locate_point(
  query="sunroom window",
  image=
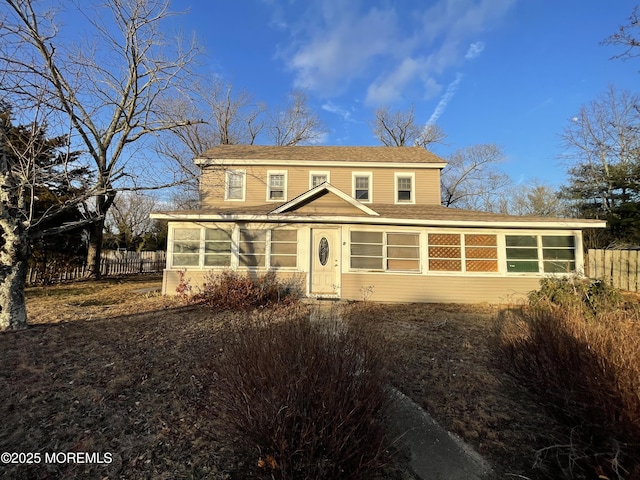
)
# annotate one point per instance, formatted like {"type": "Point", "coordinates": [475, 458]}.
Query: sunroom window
{"type": "Point", "coordinates": [385, 251]}
{"type": "Point", "coordinates": [540, 253]}
{"type": "Point", "coordinates": [481, 253]}
{"type": "Point", "coordinates": [558, 254]}
{"type": "Point", "coordinates": [367, 250]}
{"type": "Point", "coordinates": [252, 248]}
{"type": "Point", "coordinates": [217, 247]}
{"type": "Point", "coordinates": [284, 248]}
{"type": "Point", "coordinates": [403, 251]}
{"type": "Point", "coordinates": [186, 247]}
{"type": "Point", "coordinates": [445, 252]}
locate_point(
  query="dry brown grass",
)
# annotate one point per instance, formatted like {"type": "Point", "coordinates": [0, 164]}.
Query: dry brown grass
{"type": "Point", "coordinates": [106, 369]}
{"type": "Point", "coordinates": [588, 367]}
{"type": "Point", "coordinates": [445, 360]}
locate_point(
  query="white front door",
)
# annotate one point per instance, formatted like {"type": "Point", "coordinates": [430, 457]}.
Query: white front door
{"type": "Point", "coordinates": [324, 277]}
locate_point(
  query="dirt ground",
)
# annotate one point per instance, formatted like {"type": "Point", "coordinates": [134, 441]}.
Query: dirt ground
{"type": "Point", "coordinates": [114, 368]}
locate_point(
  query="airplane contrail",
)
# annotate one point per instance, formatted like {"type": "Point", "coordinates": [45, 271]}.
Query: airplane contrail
{"type": "Point", "coordinates": [444, 101]}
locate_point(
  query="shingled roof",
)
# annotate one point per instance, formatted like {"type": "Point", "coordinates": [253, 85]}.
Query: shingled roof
{"type": "Point", "coordinates": [320, 154]}
{"type": "Point", "coordinates": [424, 215]}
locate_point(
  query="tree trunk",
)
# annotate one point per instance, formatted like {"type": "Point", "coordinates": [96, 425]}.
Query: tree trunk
{"type": "Point", "coordinates": [14, 254]}
{"type": "Point", "coordinates": [13, 310]}
{"type": "Point", "coordinates": [94, 254]}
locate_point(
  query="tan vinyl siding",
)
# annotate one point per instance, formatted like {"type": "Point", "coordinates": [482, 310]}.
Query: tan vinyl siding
{"type": "Point", "coordinates": [388, 287]}
{"type": "Point", "coordinates": [427, 184]}
{"type": "Point", "coordinates": [196, 278]}
{"type": "Point", "coordinates": [329, 204]}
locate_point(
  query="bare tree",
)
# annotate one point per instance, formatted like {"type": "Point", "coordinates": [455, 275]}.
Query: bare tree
{"type": "Point", "coordinates": [32, 167]}
{"type": "Point", "coordinates": [533, 199]}
{"type": "Point", "coordinates": [602, 152]}
{"type": "Point", "coordinates": [107, 86]}
{"type": "Point", "coordinates": [399, 129]}
{"type": "Point", "coordinates": [128, 220]}
{"type": "Point", "coordinates": [226, 118]}
{"type": "Point", "coordinates": [472, 180]}
{"type": "Point", "coordinates": [627, 36]}
{"type": "Point", "coordinates": [295, 123]}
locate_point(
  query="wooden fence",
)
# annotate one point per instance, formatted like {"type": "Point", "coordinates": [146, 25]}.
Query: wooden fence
{"type": "Point", "coordinates": [618, 268]}
{"type": "Point", "coordinates": [113, 262]}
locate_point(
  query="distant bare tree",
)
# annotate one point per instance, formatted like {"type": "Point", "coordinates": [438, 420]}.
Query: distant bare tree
{"type": "Point", "coordinates": [294, 123]}
{"type": "Point", "coordinates": [106, 86]}
{"type": "Point", "coordinates": [471, 179]}
{"type": "Point", "coordinates": [533, 199]}
{"type": "Point", "coordinates": [128, 220]}
{"type": "Point", "coordinates": [602, 151]}
{"type": "Point", "coordinates": [399, 129]}
{"type": "Point", "coordinates": [227, 117]}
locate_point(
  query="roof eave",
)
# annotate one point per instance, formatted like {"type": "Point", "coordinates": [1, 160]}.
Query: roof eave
{"type": "Point", "coordinates": [206, 162]}
{"type": "Point", "coordinates": [276, 218]}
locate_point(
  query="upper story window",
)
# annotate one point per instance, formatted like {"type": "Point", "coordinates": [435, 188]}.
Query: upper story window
{"type": "Point", "coordinates": [362, 186]}
{"type": "Point", "coordinates": [276, 186]}
{"type": "Point", "coordinates": [405, 188]}
{"type": "Point", "coordinates": [234, 185]}
{"type": "Point", "coordinates": [317, 178]}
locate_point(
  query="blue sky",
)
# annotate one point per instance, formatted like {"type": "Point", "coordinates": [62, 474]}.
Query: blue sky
{"type": "Point", "coordinates": [510, 72]}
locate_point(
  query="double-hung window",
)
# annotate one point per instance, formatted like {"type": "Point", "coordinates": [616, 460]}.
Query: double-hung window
{"type": "Point", "coordinates": [405, 188]}
{"type": "Point", "coordinates": [362, 187]}
{"type": "Point", "coordinates": [277, 186]}
{"type": "Point", "coordinates": [234, 185]}
{"type": "Point", "coordinates": [317, 178]}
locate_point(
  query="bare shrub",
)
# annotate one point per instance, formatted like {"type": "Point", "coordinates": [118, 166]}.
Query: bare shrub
{"type": "Point", "coordinates": [229, 290]}
{"type": "Point", "coordinates": [306, 399]}
{"type": "Point", "coordinates": [583, 355]}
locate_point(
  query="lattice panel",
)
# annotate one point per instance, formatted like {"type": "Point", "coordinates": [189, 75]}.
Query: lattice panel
{"type": "Point", "coordinates": [481, 240]}
{"type": "Point", "coordinates": [481, 265]}
{"type": "Point", "coordinates": [445, 265]}
{"type": "Point", "coordinates": [444, 252]}
{"type": "Point", "coordinates": [481, 252]}
{"type": "Point", "coordinates": [444, 239]}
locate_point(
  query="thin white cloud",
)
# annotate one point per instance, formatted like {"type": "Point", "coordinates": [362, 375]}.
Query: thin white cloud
{"type": "Point", "coordinates": [388, 89]}
{"type": "Point", "coordinates": [475, 49]}
{"type": "Point", "coordinates": [342, 50]}
{"type": "Point", "coordinates": [335, 44]}
{"type": "Point", "coordinates": [338, 110]}
{"type": "Point", "coordinates": [444, 101]}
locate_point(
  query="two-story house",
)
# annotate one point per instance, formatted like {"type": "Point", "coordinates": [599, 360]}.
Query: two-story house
{"type": "Point", "coordinates": [354, 221]}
